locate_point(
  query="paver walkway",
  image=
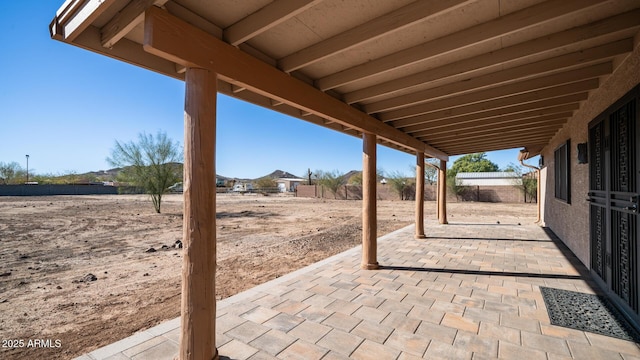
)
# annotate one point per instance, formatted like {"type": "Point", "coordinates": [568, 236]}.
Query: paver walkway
{"type": "Point", "coordinates": [467, 291]}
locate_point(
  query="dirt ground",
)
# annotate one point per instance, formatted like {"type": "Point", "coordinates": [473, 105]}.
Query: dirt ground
{"type": "Point", "coordinates": [78, 273]}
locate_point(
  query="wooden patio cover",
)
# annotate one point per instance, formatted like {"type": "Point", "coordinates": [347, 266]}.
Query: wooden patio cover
{"type": "Point", "coordinates": [434, 78]}
{"type": "Point", "coordinates": [448, 77]}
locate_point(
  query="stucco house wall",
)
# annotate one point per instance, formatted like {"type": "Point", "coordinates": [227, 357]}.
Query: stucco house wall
{"type": "Point", "coordinates": [571, 221]}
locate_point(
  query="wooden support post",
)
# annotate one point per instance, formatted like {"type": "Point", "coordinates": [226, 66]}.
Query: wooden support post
{"type": "Point", "coordinates": [442, 193]}
{"type": "Point", "coordinates": [420, 195]}
{"type": "Point", "coordinates": [197, 339]}
{"type": "Point", "coordinates": [369, 207]}
{"type": "Point", "coordinates": [438, 194]}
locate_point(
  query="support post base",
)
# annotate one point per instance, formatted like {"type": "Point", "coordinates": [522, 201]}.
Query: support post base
{"type": "Point", "coordinates": [215, 357]}
{"type": "Point", "coordinates": [370, 266]}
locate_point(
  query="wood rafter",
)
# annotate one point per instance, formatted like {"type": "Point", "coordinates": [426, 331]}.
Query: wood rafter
{"type": "Point", "coordinates": [493, 143]}
{"type": "Point", "coordinates": [125, 20]}
{"type": "Point", "coordinates": [76, 17]}
{"type": "Point", "coordinates": [466, 121]}
{"type": "Point", "coordinates": [536, 89]}
{"type": "Point", "coordinates": [127, 51]}
{"type": "Point", "coordinates": [509, 71]}
{"type": "Point", "coordinates": [369, 31]}
{"type": "Point", "coordinates": [628, 20]}
{"type": "Point", "coordinates": [507, 137]}
{"type": "Point", "coordinates": [499, 145]}
{"type": "Point", "coordinates": [264, 19]}
{"type": "Point", "coordinates": [480, 111]}
{"type": "Point", "coordinates": [494, 79]}
{"type": "Point", "coordinates": [173, 39]}
{"type": "Point", "coordinates": [521, 140]}
{"type": "Point", "coordinates": [554, 122]}
{"type": "Point", "coordinates": [530, 118]}
{"type": "Point", "coordinates": [476, 34]}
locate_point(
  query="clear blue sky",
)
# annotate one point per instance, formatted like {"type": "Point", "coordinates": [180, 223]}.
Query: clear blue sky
{"type": "Point", "coordinates": [65, 107]}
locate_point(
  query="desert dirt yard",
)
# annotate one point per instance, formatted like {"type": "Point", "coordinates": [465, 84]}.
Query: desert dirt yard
{"type": "Point", "coordinates": [78, 272]}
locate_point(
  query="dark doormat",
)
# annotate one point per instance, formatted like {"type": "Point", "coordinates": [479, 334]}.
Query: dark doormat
{"type": "Point", "coordinates": [587, 312]}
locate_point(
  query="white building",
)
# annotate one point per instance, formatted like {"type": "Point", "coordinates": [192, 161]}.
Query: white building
{"type": "Point", "coordinates": [288, 184]}
{"type": "Point", "coordinates": [497, 178]}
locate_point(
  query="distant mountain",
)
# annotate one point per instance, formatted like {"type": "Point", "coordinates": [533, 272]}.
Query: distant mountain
{"type": "Point", "coordinates": [279, 174]}
{"type": "Point", "coordinates": [103, 175]}
{"type": "Point", "coordinates": [112, 174]}
{"type": "Point", "coordinates": [351, 174]}
{"type": "Point", "coordinates": [108, 175]}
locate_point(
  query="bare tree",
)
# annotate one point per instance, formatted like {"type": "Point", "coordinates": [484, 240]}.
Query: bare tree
{"type": "Point", "coordinates": [430, 172]}
{"type": "Point", "coordinates": [11, 172]}
{"type": "Point", "coordinates": [150, 163]}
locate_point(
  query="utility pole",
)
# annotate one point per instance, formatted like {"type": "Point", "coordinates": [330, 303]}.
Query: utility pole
{"type": "Point", "coordinates": [27, 167]}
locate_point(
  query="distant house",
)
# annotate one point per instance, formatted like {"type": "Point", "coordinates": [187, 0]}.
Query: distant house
{"type": "Point", "coordinates": [497, 178]}
{"type": "Point", "coordinates": [242, 187]}
{"type": "Point", "coordinates": [288, 184]}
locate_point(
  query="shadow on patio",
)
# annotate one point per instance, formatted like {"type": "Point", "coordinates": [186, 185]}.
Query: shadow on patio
{"type": "Point", "coordinates": [465, 292]}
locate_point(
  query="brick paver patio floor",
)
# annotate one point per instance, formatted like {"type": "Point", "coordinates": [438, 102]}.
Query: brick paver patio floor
{"type": "Point", "coordinates": [467, 291]}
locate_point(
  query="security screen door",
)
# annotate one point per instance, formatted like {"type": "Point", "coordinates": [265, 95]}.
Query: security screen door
{"type": "Point", "coordinates": [614, 189]}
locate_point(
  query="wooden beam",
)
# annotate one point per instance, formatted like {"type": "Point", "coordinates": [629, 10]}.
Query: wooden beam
{"type": "Point", "coordinates": [127, 51]}
{"type": "Point", "coordinates": [505, 136]}
{"type": "Point", "coordinates": [170, 38]}
{"type": "Point", "coordinates": [499, 146]}
{"type": "Point", "coordinates": [266, 102]}
{"type": "Point", "coordinates": [198, 320]}
{"type": "Point", "coordinates": [503, 132]}
{"type": "Point", "coordinates": [502, 144]}
{"type": "Point", "coordinates": [521, 137]}
{"type": "Point", "coordinates": [479, 111]}
{"type": "Point", "coordinates": [515, 141]}
{"type": "Point", "coordinates": [496, 98]}
{"type": "Point", "coordinates": [497, 128]}
{"type": "Point", "coordinates": [509, 90]}
{"type": "Point", "coordinates": [500, 134]}
{"type": "Point", "coordinates": [495, 144]}
{"type": "Point", "coordinates": [237, 89]}
{"type": "Point", "coordinates": [442, 193]}
{"type": "Point", "coordinates": [369, 31]}
{"type": "Point", "coordinates": [625, 21]}
{"type": "Point", "coordinates": [508, 75]}
{"type": "Point", "coordinates": [438, 127]}
{"type": "Point", "coordinates": [499, 27]}
{"type": "Point", "coordinates": [498, 122]}
{"type": "Point", "coordinates": [369, 206]}
{"type": "Point", "coordinates": [125, 20]}
{"type": "Point", "coordinates": [264, 19]}
{"type": "Point", "coordinates": [419, 196]}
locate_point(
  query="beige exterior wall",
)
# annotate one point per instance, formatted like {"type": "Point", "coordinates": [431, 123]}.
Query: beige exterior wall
{"type": "Point", "coordinates": [571, 221]}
